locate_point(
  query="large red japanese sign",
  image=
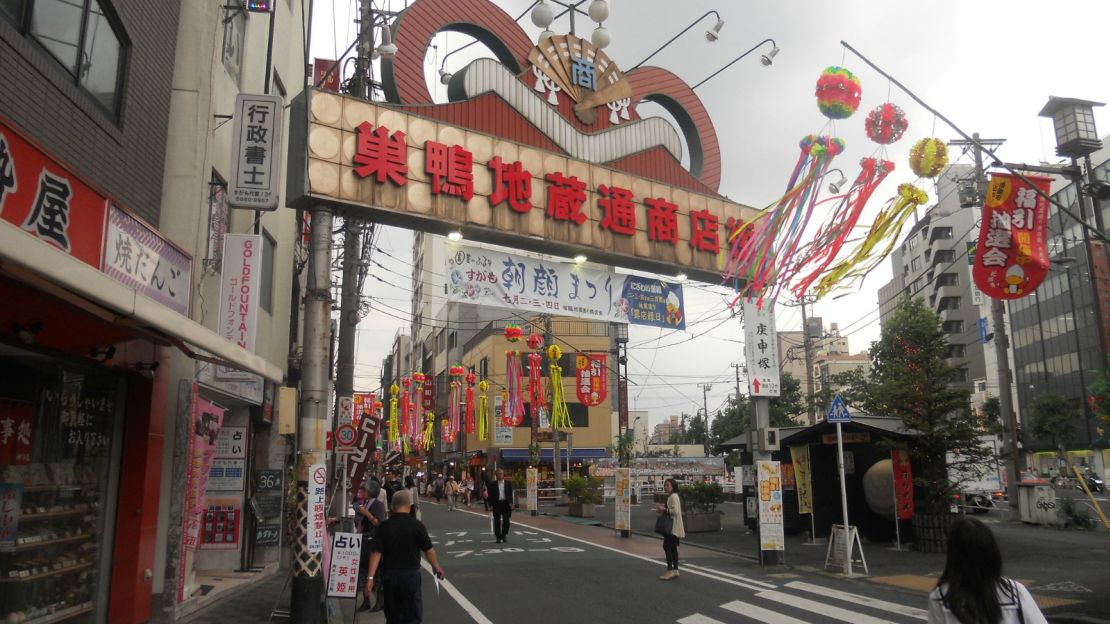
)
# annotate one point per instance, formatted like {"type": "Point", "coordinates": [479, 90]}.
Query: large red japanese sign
{"type": "Point", "coordinates": [48, 201]}
{"type": "Point", "coordinates": [365, 406]}
{"type": "Point", "coordinates": [426, 175]}
{"type": "Point", "coordinates": [903, 483]}
{"type": "Point", "coordinates": [592, 378]}
{"type": "Point", "coordinates": [1012, 257]}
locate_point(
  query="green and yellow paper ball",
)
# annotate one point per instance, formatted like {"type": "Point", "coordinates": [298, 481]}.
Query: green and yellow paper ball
{"type": "Point", "coordinates": [929, 157]}
{"type": "Point", "coordinates": [838, 93]}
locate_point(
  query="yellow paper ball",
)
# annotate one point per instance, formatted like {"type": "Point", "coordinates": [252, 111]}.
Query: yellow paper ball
{"type": "Point", "coordinates": [554, 352]}
{"type": "Point", "coordinates": [929, 157]}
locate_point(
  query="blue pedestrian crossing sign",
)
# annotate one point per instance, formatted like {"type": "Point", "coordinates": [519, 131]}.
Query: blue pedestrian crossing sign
{"type": "Point", "coordinates": [838, 412]}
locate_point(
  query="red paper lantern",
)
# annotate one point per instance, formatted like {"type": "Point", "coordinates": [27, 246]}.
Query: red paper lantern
{"type": "Point", "coordinates": [535, 341]}
{"type": "Point", "coordinates": [513, 333]}
{"type": "Point", "coordinates": [886, 124]}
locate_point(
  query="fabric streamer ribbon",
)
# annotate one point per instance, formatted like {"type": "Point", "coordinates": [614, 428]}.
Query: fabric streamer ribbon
{"type": "Point", "coordinates": [535, 381]}
{"type": "Point", "coordinates": [469, 416]}
{"type": "Point", "coordinates": [429, 436]}
{"type": "Point", "coordinates": [483, 410]}
{"type": "Point", "coordinates": [406, 407]}
{"type": "Point", "coordinates": [560, 416]}
{"type": "Point", "coordinates": [394, 431]}
{"type": "Point", "coordinates": [886, 227]}
{"type": "Point", "coordinates": [831, 237]}
{"type": "Point", "coordinates": [514, 406]}
{"type": "Point", "coordinates": [762, 249]}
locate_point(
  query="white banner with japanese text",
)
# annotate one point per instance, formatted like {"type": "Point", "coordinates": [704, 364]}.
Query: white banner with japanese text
{"type": "Point", "coordinates": [761, 350]}
{"type": "Point", "coordinates": [506, 280]}
{"type": "Point", "coordinates": [346, 550]}
{"type": "Point", "coordinates": [239, 296]}
{"type": "Point", "coordinates": [771, 535]}
{"type": "Point", "coordinates": [138, 256]}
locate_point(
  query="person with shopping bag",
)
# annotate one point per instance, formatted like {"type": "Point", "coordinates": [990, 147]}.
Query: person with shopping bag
{"type": "Point", "coordinates": [669, 524]}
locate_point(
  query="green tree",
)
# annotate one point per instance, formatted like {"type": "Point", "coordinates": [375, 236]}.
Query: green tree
{"type": "Point", "coordinates": [734, 420]}
{"type": "Point", "coordinates": [1099, 398]}
{"type": "Point", "coordinates": [992, 415]}
{"type": "Point", "coordinates": [852, 385]}
{"type": "Point", "coordinates": [909, 379]}
{"type": "Point", "coordinates": [790, 402]}
{"type": "Point", "coordinates": [1052, 418]}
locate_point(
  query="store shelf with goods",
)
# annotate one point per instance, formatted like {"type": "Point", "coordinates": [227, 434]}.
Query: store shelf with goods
{"type": "Point", "coordinates": [80, 537]}
{"type": "Point", "coordinates": [63, 615]}
{"type": "Point", "coordinates": [42, 575]}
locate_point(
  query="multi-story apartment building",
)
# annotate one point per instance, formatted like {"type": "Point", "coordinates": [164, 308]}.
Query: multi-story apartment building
{"type": "Point", "coordinates": [932, 264]}
{"type": "Point", "coordinates": [830, 355]}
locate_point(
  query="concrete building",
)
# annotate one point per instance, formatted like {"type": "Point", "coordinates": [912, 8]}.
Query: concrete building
{"type": "Point", "coordinates": [830, 354]}
{"type": "Point", "coordinates": [223, 52]}
{"type": "Point", "coordinates": [661, 433]}
{"type": "Point", "coordinates": [932, 264]}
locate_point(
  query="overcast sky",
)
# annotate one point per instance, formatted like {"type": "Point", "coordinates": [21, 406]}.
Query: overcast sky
{"type": "Point", "coordinates": [988, 67]}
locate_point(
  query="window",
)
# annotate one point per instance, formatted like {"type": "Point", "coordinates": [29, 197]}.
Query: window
{"type": "Point", "coordinates": [944, 255]}
{"type": "Point", "coordinates": [959, 375]}
{"type": "Point", "coordinates": [235, 32]}
{"type": "Point", "coordinates": [83, 35]}
{"type": "Point", "coordinates": [942, 233]}
{"type": "Point", "coordinates": [957, 351]}
{"type": "Point", "coordinates": [266, 288]}
{"type": "Point", "coordinates": [483, 368]}
{"type": "Point", "coordinates": [915, 265]}
{"type": "Point", "coordinates": [953, 327]}
{"type": "Point", "coordinates": [949, 303]}
{"type": "Point", "coordinates": [948, 279]}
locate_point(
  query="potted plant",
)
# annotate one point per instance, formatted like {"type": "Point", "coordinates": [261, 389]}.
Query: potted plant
{"type": "Point", "coordinates": [584, 494]}
{"type": "Point", "coordinates": [520, 487]}
{"type": "Point", "coordinates": [699, 506]}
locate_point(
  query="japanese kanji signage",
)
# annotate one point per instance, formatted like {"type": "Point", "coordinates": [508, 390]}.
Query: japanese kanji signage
{"type": "Point", "coordinates": [1012, 255]}
{"type": "Point", "coordinates": [771, 535]}
{"type": "Point", "coordinates": [500, 279]}
{"type": "Point", "coordinates": [136, 255]}
{"type": "Point", "coordinates": [592, 378]}
{"type": "Point", "coordinates": [47, 201]}
{"type": "Point", "coordinates": [17, 421]}
{"type": "Point", "coordinates": [238, 304]}
{"type": "Point", "coordinates": [761, 350]}
{"type": "Point", "coordinates": [222, 520]}
{"type": "Point", "coordinates": [256, 152]}
{"type": "Point", "coordinates": [803, 478]}
{"type": "Point", "coordinates": [317, 485]}
{"type": "Point", "coordinates": [346, 550]}
{"type": "Point", "coordinates": [359, 459]}
{"type": "Point", "coordinates": [364, 406]}
{"type": "Point", "coordinates": [418, 173]}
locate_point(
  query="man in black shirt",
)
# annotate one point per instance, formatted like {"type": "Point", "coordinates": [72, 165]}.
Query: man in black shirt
{"type": "Point", "coordinates": [395, 562]}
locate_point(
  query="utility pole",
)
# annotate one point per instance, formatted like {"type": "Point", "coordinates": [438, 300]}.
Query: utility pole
{"type": "Point", "coordinates": [1001, 340]}
{"type": "Point", "coordinates": [360, 82]}
{"type": "Point", "coordinates": [308, 578]}
{"type": "Point", "coordinates": [556, 460]}
{"type": "Point", "coordinates": [807, 345]}
{"type": "Point", "coordinates": [705, 388]}
{"type": "Point", "coordinates": [737, 366]}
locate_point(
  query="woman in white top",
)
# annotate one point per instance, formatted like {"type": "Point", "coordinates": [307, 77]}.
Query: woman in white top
{"type": "Point", "coordinates": [410, 485]}
{"type": "Point", "coordinates": [972, 589]}
{"type": "Point", "coordinates": [673, 508]}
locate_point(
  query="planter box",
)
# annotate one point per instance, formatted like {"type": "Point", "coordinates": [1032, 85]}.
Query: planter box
{"type": "Point", "coordinates": [930, 531]}
{"type": "Point", "coordinates": [582, 510]}
{"type": "Point", "coordinates": [701, 522]}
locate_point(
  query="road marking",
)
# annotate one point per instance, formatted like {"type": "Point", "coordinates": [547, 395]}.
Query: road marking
{"type": "Point", "coordinates": [466, 605]}
{"type": "Point", "coordinates": [828, 592]}
{"type": "Point", "coordinates": [731, 576]}
{"type": "Point", "coordinates": [698, 618]}
{"type": "Point", "coordinates": [813, 606]}
{"type": "Point", "coordinates": [759, 613]}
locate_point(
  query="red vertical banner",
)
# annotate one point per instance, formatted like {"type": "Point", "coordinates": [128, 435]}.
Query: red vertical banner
{"type": "Point", "coordinates": [17, 420]}
{"type": "Point", "coordinates": [903, 484]}
{"type": "Point", "coordinates": [363, 406]}
{"type": "Point", "coordinates": [325, 74]}
{"type": "Point", "coordinates": [591, 379]}
{"type": "Point", "coordinates": [1011, 259]}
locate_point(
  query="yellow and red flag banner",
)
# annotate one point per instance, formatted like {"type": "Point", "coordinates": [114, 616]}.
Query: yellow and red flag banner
{"type": "Point", "coordinates": [592, 379]}
{"type": "Point", "coordinates": [903, 484]}
{"type": "Point", "coordinates": [1011, 259]}
{"type": "Point", "coordinates": [799, 456]}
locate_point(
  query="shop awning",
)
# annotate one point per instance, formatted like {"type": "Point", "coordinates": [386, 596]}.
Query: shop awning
{"type": "Point", "coordinates": [68, 278]}
{"type": "Point", "coordinates": [521, 454]}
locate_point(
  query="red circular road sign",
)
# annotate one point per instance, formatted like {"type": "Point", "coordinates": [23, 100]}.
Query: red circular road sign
{"type": "Point", "coordinates": [320, 475]}
{"type": "Point", "coordinates": [346, 435]}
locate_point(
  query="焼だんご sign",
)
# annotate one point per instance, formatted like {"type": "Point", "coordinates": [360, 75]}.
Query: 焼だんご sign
{"type": "Point", "coordinates": [422, 174]}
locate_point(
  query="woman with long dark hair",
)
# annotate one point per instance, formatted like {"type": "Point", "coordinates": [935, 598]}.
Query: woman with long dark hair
{"type": "Point", "coordinates": [972, 589]}
{"type": "Point", "coordinates": [672, 508]}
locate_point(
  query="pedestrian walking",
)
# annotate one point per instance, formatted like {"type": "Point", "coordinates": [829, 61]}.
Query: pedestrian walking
{"type": "Point", "coordinates": [671, 509]}
{"type": "Point", "coordinates": [451, 490]}
{"type": "Point", "coordinates": [410, 487]}
{"type": "Point", "coordinates": [370, 512]}
{"type": "Point", "coordinates": [437, 488]}
{"type": "Point", "coordinates": [467, 488]}
{"type": "Point", "coordinates": [499, 495]}
{"type": "Point", "coordinates": [395, 562]}
{"type": "Point", "coordinates": [972, 590]}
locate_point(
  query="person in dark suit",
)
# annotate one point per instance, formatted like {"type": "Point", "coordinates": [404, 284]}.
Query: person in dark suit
{"type": "Point", "coordinates": [499, 495]}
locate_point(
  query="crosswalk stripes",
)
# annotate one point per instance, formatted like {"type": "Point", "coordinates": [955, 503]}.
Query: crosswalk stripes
{"type": "Point", "coordinates": [828, 592]}
{"type": "Point", "coordinates": [786, 606]}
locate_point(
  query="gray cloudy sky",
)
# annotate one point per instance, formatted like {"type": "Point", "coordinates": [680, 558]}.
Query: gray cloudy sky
{"type": "Point", "coordinates": [987, 66]}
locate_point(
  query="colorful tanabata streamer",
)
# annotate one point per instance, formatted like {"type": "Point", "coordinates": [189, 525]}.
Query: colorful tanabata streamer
{"type": "Point", "coordinates": [560, 416]}
{"type": "Point", "coordinates": [469, 416]}
{"type": "Point", "coordinates": [833, 235]}
{"type": "Point", "coordinates": [483, 410]}
{"type": "Point", "coordinates": [886, 227]}
{"type": "Point", "coordinates": [452, 424]}
{"type": "Point", "coordinates": [514, 401]}
{"type": "Point", "coordinates": [762, 248]}
{"type": "Point", "coordinates": [429, 435]}
{"type": "Point", "coordinates": [406, 408]}
{"type": "Point", "coordinates": [394, 432]}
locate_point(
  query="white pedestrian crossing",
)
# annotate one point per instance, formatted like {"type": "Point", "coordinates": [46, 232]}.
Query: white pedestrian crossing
{"type": "Point", "coordinates": [875, 603]}
{"type": "Point", "coordinates": [698, 618]}
{"type": "Point", "coordinates": [786, 606]}
{"type": "Point", "coordinates": [766, 616]}
{"type": "Point", "coordinates": [820, 608]}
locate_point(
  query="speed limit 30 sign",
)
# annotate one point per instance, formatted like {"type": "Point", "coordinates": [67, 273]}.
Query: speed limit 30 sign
{"type": "Point", "coordinates": [345, 435]}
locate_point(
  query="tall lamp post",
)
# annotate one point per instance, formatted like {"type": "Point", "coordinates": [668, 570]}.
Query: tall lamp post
{"type": "Point", "coordinates": [619, 333]}
{"type": "Point", "coordinates": [1076, 137]}
{"type": "Point", "coordinates": [711, 36]}
{"type": "Point", "coordinates": [766, 59]}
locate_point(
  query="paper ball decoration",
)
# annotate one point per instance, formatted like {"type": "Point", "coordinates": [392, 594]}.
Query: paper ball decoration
{"type": "Point", "coordinates": [394, 390]}
{"type": "Point", "coordinates": [483, 385]}
{"type": "Point", "coordinates": [471, 378]}
{"type": "Point", "coordinates": [406, 383]}
{"type": "Point", "coordinates": [513, 333]}
{"type": "Point", "coordinates": [929, 157]}
{"type": "Point", "coordinates": [418, 378]}
{"type": "Point", "coordinates": [535, 341]}
{"type": "Point", "coordinates": [554, 353]}
{"type": "Point", "coordinates": [819, 145]}
{"type": "Point", "coordinates": [886, 124]}
{"type": "Point", "coordinates": [912, 194]}
{"type": "Point", "coordinates": [457, 370]}
{"type": "Point", "coordinates": [838, 93]}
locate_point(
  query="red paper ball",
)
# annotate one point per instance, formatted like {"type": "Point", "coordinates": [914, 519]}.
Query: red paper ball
{"type": "Point", "coordinates": [838, 93]}
{"type": "Point", "coordinates": [535, 341]}
{"type": "Point", "coordinates": [513, 333]}
{"type": "Point", "coordinates": [886, 124]}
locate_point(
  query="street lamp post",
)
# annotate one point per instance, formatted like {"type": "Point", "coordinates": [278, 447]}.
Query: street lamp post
{"type": "Point", "coordinates": [705, 388]}
{"type": "Point", "coordinates": [620, 337]}
{"type": "Point", "coordinates": [711, 36]}
{"type": "Point", "coordinates": [766, 60]}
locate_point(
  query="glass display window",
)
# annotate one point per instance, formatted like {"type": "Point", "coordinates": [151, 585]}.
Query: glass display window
{"type": "Point", "coordinates": [60, 426]}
